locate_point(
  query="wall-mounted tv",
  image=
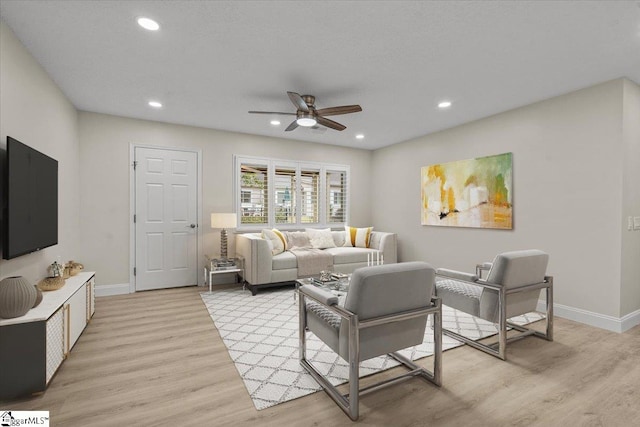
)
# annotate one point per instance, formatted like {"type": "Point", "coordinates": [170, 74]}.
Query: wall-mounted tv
{"type": "Point", "coordinates": [31, 200]}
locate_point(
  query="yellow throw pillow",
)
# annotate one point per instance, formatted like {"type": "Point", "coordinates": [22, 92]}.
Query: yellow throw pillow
{"type": "Point", "coordinates": [278, 242]}
{"type": "Point", "coordinates": [357, 237]}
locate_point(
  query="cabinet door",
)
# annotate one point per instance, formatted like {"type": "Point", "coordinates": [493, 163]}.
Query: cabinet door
{"type": "Point", "coordinates": [77, 306]}
{"type": "Point", "coordinates": [91, 298]}
{"type": "Point", "coordinates": [55, 342]}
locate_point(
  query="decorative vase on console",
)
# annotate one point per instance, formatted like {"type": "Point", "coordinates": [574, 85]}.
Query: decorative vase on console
{"type": "Point", "coordinates": [17, 296]}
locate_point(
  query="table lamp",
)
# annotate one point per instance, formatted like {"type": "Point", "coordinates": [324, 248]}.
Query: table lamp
{"type": "Point", "coordinates": [223, 221]}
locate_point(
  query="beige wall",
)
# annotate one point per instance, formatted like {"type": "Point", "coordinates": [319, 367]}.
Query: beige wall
{"type": "Point", "coordinates": [567, 167]}
{"type": "Point", "coordinates": [576, 174]}
{"type": "Point", "coordinates": [630, 291]}
{"type": "Point", "coordinates": [34, 111]}
{"type": "Point", "coordinates": [105, 167]}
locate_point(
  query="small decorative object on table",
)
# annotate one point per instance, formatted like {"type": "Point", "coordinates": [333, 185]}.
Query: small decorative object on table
{"type": "Point", "coordinates": [56, 279]}
{"type": "Point", "coordinates": [51, 283]}
{"type": "Point", "coordinates": [56, 269]}
{"type": "Point", "coordinates": [72, 268]}
{"type": "Point", "coordinates": [17, 296]}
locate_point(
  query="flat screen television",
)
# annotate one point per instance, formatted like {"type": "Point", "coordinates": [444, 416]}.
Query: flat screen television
{"type": "Point", "coordinates": [31, 200]}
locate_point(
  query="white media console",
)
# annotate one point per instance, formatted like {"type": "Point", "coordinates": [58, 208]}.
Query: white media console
{"type": "Point", "coordinates": [34, 346]}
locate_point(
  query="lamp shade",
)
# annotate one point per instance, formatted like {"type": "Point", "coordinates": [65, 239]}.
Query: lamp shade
{"type": "Point", "coordinates": [224, 220]}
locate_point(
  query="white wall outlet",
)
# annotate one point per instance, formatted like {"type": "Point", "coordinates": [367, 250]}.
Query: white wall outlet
{"type": "Point", "coordinates": [630, 223]}
{"type": "Point", "coordinates": [636, 222]}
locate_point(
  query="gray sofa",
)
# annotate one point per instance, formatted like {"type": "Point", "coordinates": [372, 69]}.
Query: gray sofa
{"type": "Point", "coordinates": [262, 269]}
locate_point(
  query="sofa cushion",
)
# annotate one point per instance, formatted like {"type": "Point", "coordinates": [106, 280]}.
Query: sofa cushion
{"type": "Point", "coordinates": [284, 261]}
{"type": "Point", "coordinates": [349, 255]}
{"type": "Point", "coordinates": [357, 237]}
{"type": "Point", "coordinates": [320, 239]}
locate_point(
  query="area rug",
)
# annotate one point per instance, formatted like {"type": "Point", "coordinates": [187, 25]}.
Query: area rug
{"type": "Point", "coordinates": [261, 334]}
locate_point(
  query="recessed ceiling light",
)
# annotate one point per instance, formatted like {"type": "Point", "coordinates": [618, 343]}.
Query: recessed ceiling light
{"type": "Point", "coordinates": [275, 122]}
{"type": "Point", "coordinates": [155, 104]}
{"type": "Point", "coordinates": [359, 136]}
{"type": "Point", "coordinates": [444, 104]}
{"type": "Point", "coordinates": [148, 24]}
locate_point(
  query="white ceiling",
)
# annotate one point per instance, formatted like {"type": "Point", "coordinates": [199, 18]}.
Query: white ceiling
{"type": "Point", "coordinates": [211, 62]}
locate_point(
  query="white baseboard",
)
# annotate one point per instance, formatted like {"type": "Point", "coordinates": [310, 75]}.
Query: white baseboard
{"type": "Point", "coordinates": [109, 290]}
{"type": "Point", "coordinates": [630, 320]}
{"type": "Point", "coordinates": [598, 320]}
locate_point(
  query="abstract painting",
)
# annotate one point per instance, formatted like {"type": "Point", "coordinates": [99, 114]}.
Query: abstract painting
{"type": "Point", "coordinates": [469, 193]}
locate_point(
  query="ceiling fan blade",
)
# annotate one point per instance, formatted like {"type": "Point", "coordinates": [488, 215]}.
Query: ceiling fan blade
{"type": "Point", "coordinates": [334, 111]}
{"type": "Point", "coordinates": [298, 102]}
{"type": "Point", "coordinates": [272, 112]}
{"type": "Point", "coordinates": [330, 123]}
{"type": "Point", "coordinates": [292, 126]}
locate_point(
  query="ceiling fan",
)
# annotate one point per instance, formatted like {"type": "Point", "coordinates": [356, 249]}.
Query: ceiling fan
{"type": "Point", "coordinates": [308, 116]}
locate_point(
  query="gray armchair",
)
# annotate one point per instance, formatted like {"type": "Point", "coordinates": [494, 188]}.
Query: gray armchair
{"type": "Point", "coordinates": [512, 288]}
{"type": "Point", "coordinates": [385, 310]}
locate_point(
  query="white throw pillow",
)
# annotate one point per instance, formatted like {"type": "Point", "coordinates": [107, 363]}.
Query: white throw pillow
{"type": "Point", "coordinates": [357, 237]}
{"type": "Point", "coordinates": [320, 239]}
{"type": "Point", "coordinates": [278, 244]}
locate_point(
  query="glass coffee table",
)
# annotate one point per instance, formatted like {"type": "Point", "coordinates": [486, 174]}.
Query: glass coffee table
{"type": "Point", "coordinates": [338, 287]}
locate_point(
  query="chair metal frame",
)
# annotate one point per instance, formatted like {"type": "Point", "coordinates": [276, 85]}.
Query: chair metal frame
{"type": "Point", "coordinates": [349, 402]}
{"type": "Point", "coordinates": [499, 348]}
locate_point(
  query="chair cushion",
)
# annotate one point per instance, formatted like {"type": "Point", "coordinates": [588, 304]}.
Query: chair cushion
{"type": "Point", "coordinates": [324, 314]}
{"type": "Point", "coordinates": [459, 295]}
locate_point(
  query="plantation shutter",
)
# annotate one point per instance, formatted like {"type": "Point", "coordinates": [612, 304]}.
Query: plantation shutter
{"type": "Point", "coordinates": [337, 197]}
{"type": "Point", "coordinates": [310, 196]}
{"type": "Point", "coordinates": [285, 201]}
{"type": "Point", "coordinates": [254, 194]}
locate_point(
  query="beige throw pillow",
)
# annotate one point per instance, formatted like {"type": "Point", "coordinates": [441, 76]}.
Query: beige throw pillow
{"type": "Point", "coordinates": [357, 237]}
{"type": "Point", "coordinates": [297, 240]}
{"type": "Point", "coordinates": [320, 239]}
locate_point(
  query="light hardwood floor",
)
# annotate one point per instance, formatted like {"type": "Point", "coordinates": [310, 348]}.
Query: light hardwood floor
{"type": "Point", "coordinates": [155, 358]}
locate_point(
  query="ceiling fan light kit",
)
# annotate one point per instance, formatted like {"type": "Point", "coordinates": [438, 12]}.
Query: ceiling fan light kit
{"type": "Point", "coordinates": [307, 115]}
{"type": "Point", "coordinates": [306, 120]}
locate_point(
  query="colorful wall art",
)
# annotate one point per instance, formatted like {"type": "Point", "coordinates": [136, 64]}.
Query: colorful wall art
{"type": "Point", "coordinates": [469, 193]}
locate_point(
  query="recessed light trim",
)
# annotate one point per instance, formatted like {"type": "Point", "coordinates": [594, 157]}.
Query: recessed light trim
{"type": "Point", "coordinates": [155, 104]}
{"type": "Point", "coordinates": [359, 136]}
{"type": "Point", "coordinates": [444, 104]}
{"type": "Point", "coordinates": [275, 122]}
{"type": "Point", "coordinates": [148, 24]}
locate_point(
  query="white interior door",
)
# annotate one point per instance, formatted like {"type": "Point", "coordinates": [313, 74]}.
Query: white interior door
{"type": "Point", "coordinates": [166, 235]}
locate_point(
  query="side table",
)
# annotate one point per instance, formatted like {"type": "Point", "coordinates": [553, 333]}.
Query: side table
{"type": "Point", "coordinates": [210, 270]}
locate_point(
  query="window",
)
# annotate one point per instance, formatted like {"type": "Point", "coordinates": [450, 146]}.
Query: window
{"type": "Point", "coordinates": [289, 194]}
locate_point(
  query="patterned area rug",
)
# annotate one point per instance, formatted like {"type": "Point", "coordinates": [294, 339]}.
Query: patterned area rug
{"type": "Point", "coordinates": [261, 334]}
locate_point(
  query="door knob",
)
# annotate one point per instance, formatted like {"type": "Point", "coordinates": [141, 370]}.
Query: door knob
{"type": "Point", "coordinates": [191, 226]}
